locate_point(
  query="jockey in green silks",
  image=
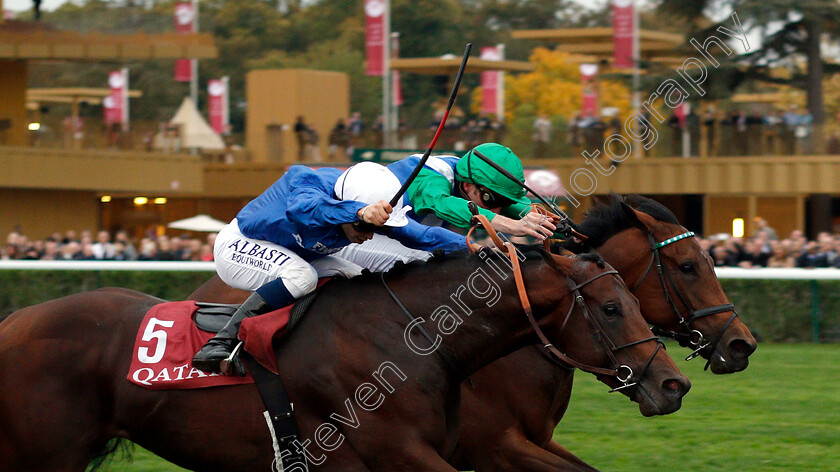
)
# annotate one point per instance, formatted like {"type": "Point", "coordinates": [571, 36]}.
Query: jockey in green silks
{"type": "Point", "coordinates": [446, 185]}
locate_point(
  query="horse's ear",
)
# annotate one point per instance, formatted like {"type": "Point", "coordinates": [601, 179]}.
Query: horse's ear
{"type": "Point", "coordinates": [562, 264]}
{"type": "Point", "coordinates": [640, 219]}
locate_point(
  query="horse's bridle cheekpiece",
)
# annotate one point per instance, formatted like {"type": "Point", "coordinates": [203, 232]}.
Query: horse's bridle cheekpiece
{"type": "Point", "coordinates": [690, 336]}
{"type": "Point", "coordinates": [623, 373]}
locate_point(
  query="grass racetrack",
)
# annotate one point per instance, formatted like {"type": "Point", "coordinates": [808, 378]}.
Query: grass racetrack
{"type": "Point", "coordinates": [781, 414]}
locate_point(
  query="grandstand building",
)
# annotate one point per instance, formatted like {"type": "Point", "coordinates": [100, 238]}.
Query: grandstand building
{"type": "Point", "coordinates": [45, 189]}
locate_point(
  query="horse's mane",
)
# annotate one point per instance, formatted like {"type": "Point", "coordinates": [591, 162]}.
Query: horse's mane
{"type": "Point", "coordinates": [593, 257]}
{"type": "Point", "coordinates": [605, 220]}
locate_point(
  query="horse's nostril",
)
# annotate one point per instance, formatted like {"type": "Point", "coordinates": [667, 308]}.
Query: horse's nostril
{"type": "Point", "coordinates": [676, 387]}
{"type": "Point", "coordinates": [741, 347]}
{"type": "Point", "coordinates": [671, 385]}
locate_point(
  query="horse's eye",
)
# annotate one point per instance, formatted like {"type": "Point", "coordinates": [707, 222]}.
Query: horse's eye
{"type": "Point", "coordinates": [687, 267]}
{"type": "Point", "coordinates": [611, 310]}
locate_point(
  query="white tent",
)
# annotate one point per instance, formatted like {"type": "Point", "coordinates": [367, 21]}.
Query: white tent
{"type": "Point", "coordinates": [195, 132]}
{"type": "Point", "coordinates": [198, 223]}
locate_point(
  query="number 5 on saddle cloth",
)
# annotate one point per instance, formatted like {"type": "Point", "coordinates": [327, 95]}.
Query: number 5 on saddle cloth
{"type": "Point", "coordinates": [171, 332]}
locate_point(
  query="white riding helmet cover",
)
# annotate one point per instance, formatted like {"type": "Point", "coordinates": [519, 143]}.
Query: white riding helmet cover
{"type": "Point", "coordinates": [369, 182]}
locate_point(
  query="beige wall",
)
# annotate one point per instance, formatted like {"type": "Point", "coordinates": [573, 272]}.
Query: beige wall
{"type": "Point", "coordinates": [240, 181]}
{"type": "Point", "coordinates": [107, 171]}
{"type": "Point", "coordinates": [758, 175]}
{"type": "Point", "coordinates": [40, 212]}
{"type": "Point", "coordinates": [783, 213]}
{"type": "Point", "coordinates": [13, 81]}
{"type": "Point", "coordinates": [720, 211]}
{"type": "Point", "coordinates": [278, 96]}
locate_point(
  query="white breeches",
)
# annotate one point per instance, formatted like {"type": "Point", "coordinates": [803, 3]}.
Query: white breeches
{"type": "Point", "coordinates": [248, 264]}
{"type": "Point", "coordinates": [381, 253]}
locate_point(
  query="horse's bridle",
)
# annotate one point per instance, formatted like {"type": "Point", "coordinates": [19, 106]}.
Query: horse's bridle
{"type": "Point", "coordinates": [628, 380]}
{"type": "Point", "coordinates": [692, 337]}
{"type": "Point", "coordinates": [598, 331]}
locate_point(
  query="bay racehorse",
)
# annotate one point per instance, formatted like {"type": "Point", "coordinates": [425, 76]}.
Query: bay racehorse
{"type": "Point", "coordinates": [680, 295]}
{"type": "Point", "coordinates": [512, 407]}
{"type": "Point", "coordinates": [63, 392]}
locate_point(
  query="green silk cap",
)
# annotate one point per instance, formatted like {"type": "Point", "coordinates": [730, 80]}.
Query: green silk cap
{"type": "Point", "coordinates": [473, 169]}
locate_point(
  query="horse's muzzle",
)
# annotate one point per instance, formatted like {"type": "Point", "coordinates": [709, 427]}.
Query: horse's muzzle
{"type": "Point", "coordinates": [663, 397]}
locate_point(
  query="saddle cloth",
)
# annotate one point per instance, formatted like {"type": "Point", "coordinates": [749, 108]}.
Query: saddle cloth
{"type": "Point", "coordinates": [172, 332]}
{"type": "Point", "coordinates": [164, 347]}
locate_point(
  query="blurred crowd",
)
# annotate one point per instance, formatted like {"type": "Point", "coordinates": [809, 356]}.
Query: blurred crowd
{"type": "Point", "coordinates": [462, 132]}
{"type": "Point", "coordinates": [71, 246]}
{"type": "Point", "coordinates": [712, 133]}
{"type": "Point", "coordinates": [747, 133]}
{"type": "Point", "coordinates": [764, 249]}
{"type": "Point", "coordinates": [767, 249]}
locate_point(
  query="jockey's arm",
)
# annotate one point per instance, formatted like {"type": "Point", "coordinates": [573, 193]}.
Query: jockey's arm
{"type": "Point", "coordinates": [311, 209]}
{"type": "Point", "coordinates": [432, 193]}
{"type": "Point", "coordinates": [428, 238]}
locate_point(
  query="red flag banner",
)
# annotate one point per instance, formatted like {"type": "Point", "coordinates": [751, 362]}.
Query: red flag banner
{"type": "Point", "coordinates": [114, 105]}
{"type": "Point", "coordinates": [108, 109]}
{"type": "Point", "coordinates": [184, 19]}
{"type": "Point", "coordinates": [588, 78]}
{"type": "Point", "coordinates": [623, 30]}
{"type": "Point", "coordinates": [490, 82]}
{"type": "Point", "coordinates": [375, 36]}
{"type": "Point", "coordinates": [217, 90]}
{"type": "Point", "coordinates": [183, 70]}
{"type": "Point", "coordinates": [681, 112]}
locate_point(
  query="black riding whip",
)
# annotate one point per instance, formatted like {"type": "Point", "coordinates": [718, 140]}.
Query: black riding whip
{"type": "Point", "coordinates": [439, 129]}
{"type": "Point", "coordinates": [366, 227]}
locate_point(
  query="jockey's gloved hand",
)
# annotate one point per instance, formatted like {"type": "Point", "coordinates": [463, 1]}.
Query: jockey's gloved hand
{"type": "Point", "coordinates": [376, 214]}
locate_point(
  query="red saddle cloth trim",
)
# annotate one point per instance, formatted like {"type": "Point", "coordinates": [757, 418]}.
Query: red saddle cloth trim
{"type": "Point", "coordinates": [258, 333]}
{"type": "Point", "coordinates": [164, 347]}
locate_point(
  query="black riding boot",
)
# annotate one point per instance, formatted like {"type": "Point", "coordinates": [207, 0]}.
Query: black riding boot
{"type": "Point", "coordinates": [218, 349]}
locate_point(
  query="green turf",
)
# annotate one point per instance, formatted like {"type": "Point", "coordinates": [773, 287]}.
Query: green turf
{"type": "Point", "coordinates": [781, 414]}
{"type": "Point", "coordinates": [140, 461]}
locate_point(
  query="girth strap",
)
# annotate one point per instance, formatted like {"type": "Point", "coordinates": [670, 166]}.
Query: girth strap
{"type": "Point", "coordinates": [404, 309]}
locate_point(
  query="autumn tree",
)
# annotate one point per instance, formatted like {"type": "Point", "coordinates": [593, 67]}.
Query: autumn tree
{"type": "Point", "coordinates": [554, 89]}
{"type": "Point", "coordinates": [792, 32]}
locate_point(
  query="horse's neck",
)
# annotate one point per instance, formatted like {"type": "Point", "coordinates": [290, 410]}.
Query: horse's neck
{"type": "Point", "coordinates": [491, 322]}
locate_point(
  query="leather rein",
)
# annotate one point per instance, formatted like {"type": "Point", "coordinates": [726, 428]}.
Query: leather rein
{"type": "Point", "coordinates": [688, 335]}
{"type": "Point", "coordinates": [623, 373]}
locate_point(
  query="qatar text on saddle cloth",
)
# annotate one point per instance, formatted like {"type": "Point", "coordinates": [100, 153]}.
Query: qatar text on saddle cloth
{"type": "Point", "coordinates": [168, 339]}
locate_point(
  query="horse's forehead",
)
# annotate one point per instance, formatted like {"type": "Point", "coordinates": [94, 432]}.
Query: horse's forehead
{"type": "Point", "coordinates": [678, 248]}
{"type": "Point", "coordinates": [587, 271]}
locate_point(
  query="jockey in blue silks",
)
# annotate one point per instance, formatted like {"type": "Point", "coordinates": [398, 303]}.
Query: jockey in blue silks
{"type": "Point", "coordinates": [281, 241]}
